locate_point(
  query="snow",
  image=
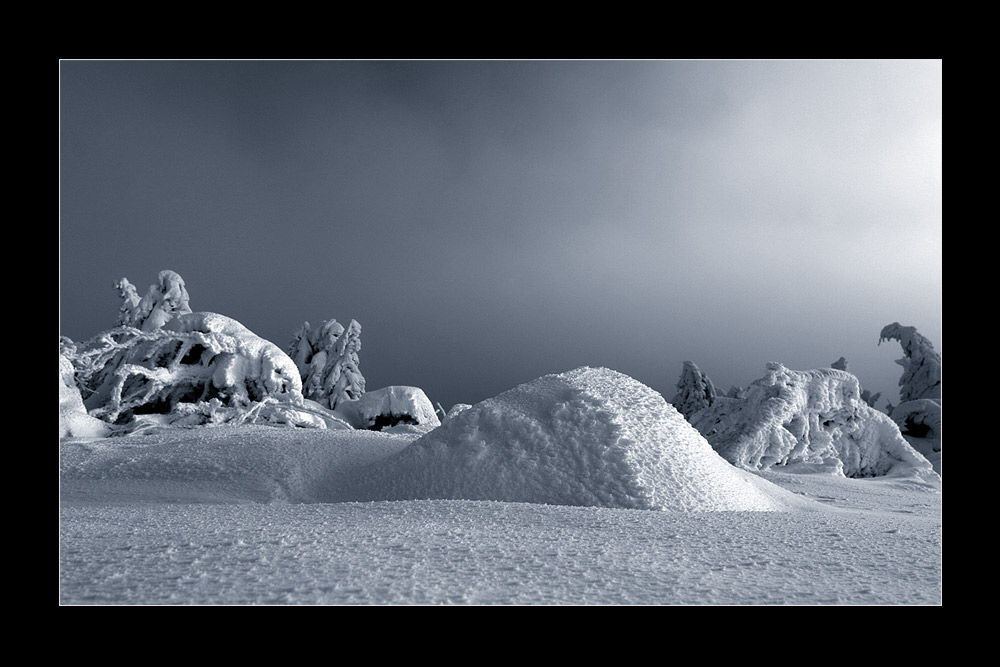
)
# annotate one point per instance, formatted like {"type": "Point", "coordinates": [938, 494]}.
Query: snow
{"type": "Point", "coordinates": [590, 437]}
{"type": "Point", "coordinates": [255, 514]}
{"type": "Point", "coordinates": [396, 407]}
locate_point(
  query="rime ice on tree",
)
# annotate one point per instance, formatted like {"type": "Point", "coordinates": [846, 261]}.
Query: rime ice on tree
{"type": "Point", "coordinates": [813, 418]}
{"type": "Point", "coordinates": [695, 391]}
{"type": "Point", "coordinates": [328, 362]}
{"type": "Point", "coordinates": [921, 366]}
{"type": "Point", "coordinates": [919, 413]}
{"type": "Point", "coordinates": [165, 299]}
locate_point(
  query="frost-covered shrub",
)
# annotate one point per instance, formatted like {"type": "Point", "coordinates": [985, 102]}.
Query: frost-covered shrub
{"type": "Point", "coordinates": [921, 364]}
{"type": "Point", "coordinates": [695, 391]}
{"type": "Point", "coordinates": [391, 407]}
{"type": "Point", "coordinates": [195, 364]}
{"type": "Point", "coordinates": [810, 417]}
{"type": "Point", "coordinates": [328, 362]}
{"type": "Point", "coordinates": [74, 422]}
{"type": "Point", "coordinates": [165, 299]}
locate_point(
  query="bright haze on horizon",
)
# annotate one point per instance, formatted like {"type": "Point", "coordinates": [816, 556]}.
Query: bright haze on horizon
{"type": "Point", "coordinates": [488, 222]}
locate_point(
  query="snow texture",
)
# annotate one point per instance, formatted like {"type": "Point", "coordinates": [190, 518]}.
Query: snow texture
{"type": "Point", "coordinates": [812, 418]}
{"type": "Point", "coordinates": [164, 300]}
{"type": "Point", "coordinates": [255, 515]}
{"type": "Point", "coordinates": [589, 437]}
{"type": "Point", "coordinates": [74, 422]}
{"type": "Point", "coordinates": [695, 391]}
{"type": "Point", "coordinates": [202, 367]}
{"type": "Point", "coordinates": [328, 362]}
{"type": "Point", "coordinates": [396, 407]}
{"type": "Point", "coordinates": [921, 364]}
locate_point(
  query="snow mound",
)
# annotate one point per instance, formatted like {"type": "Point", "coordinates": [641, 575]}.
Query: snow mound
{"type": "Point", "coordinates": [396, 407]}
{"type": "Point", "coordinates": [74, 422]}
{"type": "Point", "coordinates": [809, 418]}
{"type": "Point", "coordinates": [588, 437]}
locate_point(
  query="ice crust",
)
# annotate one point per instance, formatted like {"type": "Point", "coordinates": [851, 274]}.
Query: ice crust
{"type": "Point", "coordinates": [588, 437]}
{"type": "Point", "coordinates": [807, 417]}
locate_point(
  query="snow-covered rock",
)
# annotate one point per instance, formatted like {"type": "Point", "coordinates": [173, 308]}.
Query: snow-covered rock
{"type": "Point", "coordinates": [588, 437]}
{"type": "Point", "coordinates": [810, 418]}
{"type": "Point", "coordinates": [74, 422]}
{"type": "Point", "coordinates": [404, 409]}
{"type": "Point", "coordinates": [695, 391]}
{"type": "Point", "coordinates": [198, 368]}
{"type": "Point", "coordinates": [328, 361]}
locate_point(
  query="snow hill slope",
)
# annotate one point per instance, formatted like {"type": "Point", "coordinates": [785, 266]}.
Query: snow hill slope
{"type": "Point", "coordinates": [588, 437]}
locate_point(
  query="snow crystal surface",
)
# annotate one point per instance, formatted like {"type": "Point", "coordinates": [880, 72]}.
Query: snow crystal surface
{"type": "Point", "coordinates": [808, 417]}
{"type": "Point", "coordinates": [249, 515]}
{"type": "Point", "coordinates": [590, 437]}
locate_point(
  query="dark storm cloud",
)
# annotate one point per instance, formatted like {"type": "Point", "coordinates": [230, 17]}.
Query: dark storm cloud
{"type": "Point", "coordinates": [488, 222]}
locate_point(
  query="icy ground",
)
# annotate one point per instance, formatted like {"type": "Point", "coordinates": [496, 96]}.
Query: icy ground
{"type": "Point", "coordinates": [260, 515]}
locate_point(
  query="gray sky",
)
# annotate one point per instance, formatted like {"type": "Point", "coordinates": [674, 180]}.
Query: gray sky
{"type": "Point", "coordinates": [490, 222]}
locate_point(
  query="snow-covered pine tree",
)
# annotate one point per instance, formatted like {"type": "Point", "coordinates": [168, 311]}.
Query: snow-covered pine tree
{"type": "Point", "coordinates": [165, 299]}
{"type": "Point", "coordinates": [328, 362]}
{"type": "Point", "coordinates": [695, 391]}
{"type": "Point", "coordinates": [921, 364]}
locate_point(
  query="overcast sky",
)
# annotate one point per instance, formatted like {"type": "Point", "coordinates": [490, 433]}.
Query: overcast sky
{"type": "Point", "coordinates": [491, 222]}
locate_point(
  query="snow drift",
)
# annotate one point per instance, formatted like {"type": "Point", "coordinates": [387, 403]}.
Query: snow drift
{"type": "Point", "coordinates": [812, 417]}
{"type": "Point", "coordinates": [590, 437]}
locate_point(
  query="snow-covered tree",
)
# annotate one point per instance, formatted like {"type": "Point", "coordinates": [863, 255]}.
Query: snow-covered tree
{"type": "Point", "coordinates": [129, 303]}
{"type": "Point", "coordinates": [921, 364]}
{"type": "Point", "coordinates": [74, 422]}
{"type": "Point", "coordinates": [813, 418]}
{"type": "Point", "coordinates": [866, 395]}
{"type": "Point", "coordinates": [164, 300]}
{"type": "Point", "coordinates": [328, 362]}
{"type": "Point", "coordinates": [695, 391]}
{"type": "Point", "coordinates": [196, 364]}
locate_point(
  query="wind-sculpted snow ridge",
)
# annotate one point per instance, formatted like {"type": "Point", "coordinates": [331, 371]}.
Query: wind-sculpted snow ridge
{"type": "Point", "coordinates": [199, 368]}
{"type": "Point", "coordinates": [588, 437]}
{"type": "Point", "coordinates": [812, 417]}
